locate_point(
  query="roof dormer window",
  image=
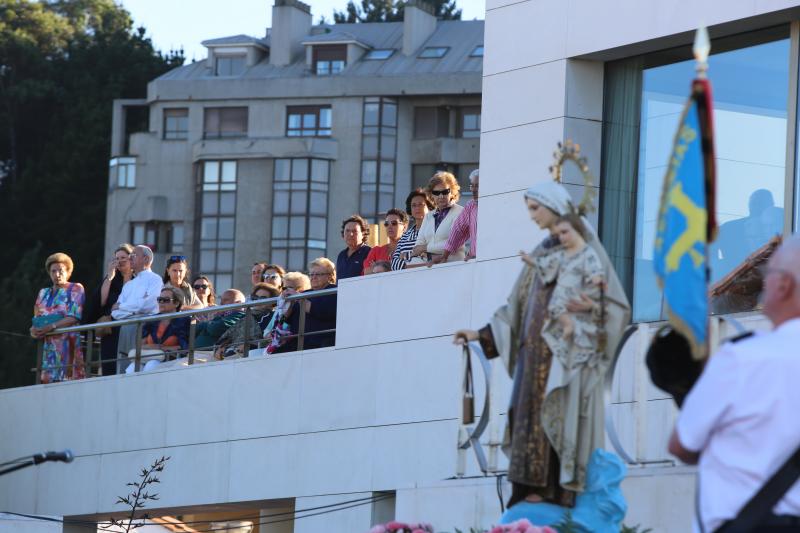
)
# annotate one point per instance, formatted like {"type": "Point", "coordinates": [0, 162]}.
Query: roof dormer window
{"type": "Point", "coordinates": [433, 52]}
{"type": "Point", "coordinates": [229, 65]}
{"type": "Point", "coordinates": [379, 54]}
{"type": "Point", "coordinates": [477, 51]}
{"type": "Point", "coordinates": [329, 59]}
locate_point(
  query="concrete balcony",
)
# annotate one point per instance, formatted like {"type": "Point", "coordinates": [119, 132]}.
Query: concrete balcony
{"type": "Point", "coordinates": [445, 149]}
{"type": "Point", "coordinates": [272, 147]}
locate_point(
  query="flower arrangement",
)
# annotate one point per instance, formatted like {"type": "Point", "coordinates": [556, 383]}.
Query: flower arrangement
{"type": "Point", "coordinates": [521, 526]}
{"type": "Point", "coordinates": [401, 527]}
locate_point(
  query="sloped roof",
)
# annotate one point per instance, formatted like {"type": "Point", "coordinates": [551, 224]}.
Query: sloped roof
{"type": "Point", "coordinates": [335, 37]}
{"type": "Point", "coordinates": [460, 36]}
{"type": "Point", "coordinates": [236, 39]}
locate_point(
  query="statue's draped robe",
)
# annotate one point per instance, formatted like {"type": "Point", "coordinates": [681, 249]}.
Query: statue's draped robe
{"type": "Point", "coordinates": [556, 413]}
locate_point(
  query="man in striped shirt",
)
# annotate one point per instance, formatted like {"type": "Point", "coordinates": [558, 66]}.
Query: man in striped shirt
{"type": "Point", "coordinates": [465, 226]}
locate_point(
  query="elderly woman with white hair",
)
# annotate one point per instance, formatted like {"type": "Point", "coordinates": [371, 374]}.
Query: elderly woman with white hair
{"type": "Point", "coordinates": [556, 408]}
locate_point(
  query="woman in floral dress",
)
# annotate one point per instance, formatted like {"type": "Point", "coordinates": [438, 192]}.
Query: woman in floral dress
{"type": "Point", "coordinates": [59, 306]}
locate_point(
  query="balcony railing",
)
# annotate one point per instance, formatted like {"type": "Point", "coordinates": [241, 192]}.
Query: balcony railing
{"type": "Point", "coordinates": [90, 331]}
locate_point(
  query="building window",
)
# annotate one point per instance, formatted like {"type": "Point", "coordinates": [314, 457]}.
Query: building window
{"type": "Point", "coordinates": [477, 51]}
{"type": "Point", "coordinates": [421, 175]}
{"type": "Point", "coordinates": [378, 154]}
{"type": "Point", "coordinates": [329, 59]}
{"type": "Point", "coordinates": [224, 122]}
{"type": "Point", "coordinates": [122, 172]}
{"type": "Point", "coordinates": [379, 54]}
{"type": "Point", "coordinates": [431, 122]}
{"type": "Point", "coordinates": [176, 123]}
{"type": "Point", "coordinates": [644, 100]}
{"type": "Point", "coordinates": [433, 52]}
{"type": "Point", "coordinates": [308, 121]}
{"type": "Point", "coordinates": [299, 211]}
{"type": "Point", "coordinates": [229, 65]}
{"type": "Point", "coordinates": [217, 222]}
{"type": "Point", "coordinates": [160, 236]}
{"type": "Point", "coordinates": [469, 122]}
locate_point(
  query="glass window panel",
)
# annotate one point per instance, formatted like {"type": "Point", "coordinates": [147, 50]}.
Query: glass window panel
{"type": "Point", "coordinates": [211, 172]}
{"type": "Point", "coordinates": [226, 225]}
{"type": "Point", "coordinates": [278, 256]}
{"type": "Point", "coordinates": [310, 120]}
{"type": "Point", "coordinates": [300, 170]}
{"type": "Point", "coordinates": [319, 170]}
{"type": "Point", "coordinates": [315, 251]}
{"type": "Point", "coordinates": [227, 203]}
{"type": "Point", "coordinates": [229, 171]}
{"type": "Point", "coordinates": [210, 203]}
{"type": "Point", "coordinates": [131, 181]}
{"type": "Point", "coordinates": [281, 243]}
{"type": "Point", "coordinates": [319, 203]}
{"type": "Point", "coordinates": [208, 229]}
{"type": "Point", "coordinates": [388, 143]}
{"type": "Point", "coordinates": [323, 68]}
{"type": "Point", "coordinates": [319, 245]}
{"type": "Point", "coordinates": [298, 202]}
{"type": "Point", "coordinates": [297, 259]}
{"type": "Point", "coordinates": [208, 260]}
{"type": "Point", "coordinates": [367, 207]}
{"type": "Point", "coordinates": [389, 115]}
{"type": "Point", "coordinates": [177, 237]}
{"type": "Point", "coordinates": [369, 170]}
{"type": "Point", "coordinates": [317, 228]}
{"type": "Point", "coordinates": [370, 146]}
{"type": "Point", "coordinates": [750, 115]}
{"type": "Point", "coordinates": [225, 260]}
{"type": "Point", "coordinates": [138, 233]}
{"type": "Point", "coordinates": [223, 282]}
{"type": "Point", "coordinates": [280, 227]}
{"type": "Point", "coordinates": [337, 66]}
{"type": "Point", "coordinates": [227, 187]}
{"type": "Point", "coordinates": [325, 117]}
{"type": "Point", "coordinates": [280, 202]}
{"type": "Point", "coordinates": [379, 54]}
{"type": "Point", "coordinates": [387, 172]}
{"type": "Point", "coordinates": [294, 121]}
{"type": "Point", "coordinates": [121, 176]}
{"type": "Point", "coordinates": [386, 201]}
{"type": "Point", "coordinates": [297, 227]}
{"type": "Point", "coordinates": [283, 169]}
{"type": "Point", "coordinates": [371, 111]}
{"type": "Point", "coordinates": [294, 133]}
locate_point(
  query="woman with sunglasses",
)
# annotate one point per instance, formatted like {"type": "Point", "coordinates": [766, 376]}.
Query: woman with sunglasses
{"type": "Point", "coordinates": [395, 223]}
{"type": "Point", "coordinates": [204, 290]}
{"type": "Point", "coordinates": [165, 335]}
{"type": "Point", "coordinates": [175, 276]}
{"type": "Point", "coordinates": [418, 203]}
{"type": "Point", "coordinates": [436, 227]}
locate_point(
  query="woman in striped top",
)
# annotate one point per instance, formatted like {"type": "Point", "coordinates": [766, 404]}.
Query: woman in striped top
{"type": "Point", "coordinates": [418, 203]}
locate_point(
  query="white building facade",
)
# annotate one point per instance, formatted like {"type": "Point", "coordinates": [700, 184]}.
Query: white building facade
{"type": "Point", "coordinates": [376, 418]}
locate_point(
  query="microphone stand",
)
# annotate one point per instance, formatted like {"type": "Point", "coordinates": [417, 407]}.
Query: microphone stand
{"type": "Point", "coordinates": [36, 459]}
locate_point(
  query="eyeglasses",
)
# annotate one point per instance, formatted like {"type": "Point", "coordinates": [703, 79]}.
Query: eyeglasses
{"type": "Point", "coordinates": [388, 223]}
{"type": "Point", "coordinates": [164, 300]}
{"type": "Point", "coordinates": [260, 296]}
{"type": "Point", "coordinates": [200, 287]}
{"type": "Point", "coordinates": [318, 274]}
{"type": "Point", "coordinates": [177, 258]}
{"type": "Point", "coordinates": [442, 192]}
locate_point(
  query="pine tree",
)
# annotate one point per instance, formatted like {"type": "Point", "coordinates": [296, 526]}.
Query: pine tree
{"type": "Point", "coordinates": [390, 11]}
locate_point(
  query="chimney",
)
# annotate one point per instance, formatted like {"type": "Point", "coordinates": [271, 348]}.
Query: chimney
{"type": "Point", "coordinates": [291, 22]}
{"type": "Point", "coordinates": [419, 23]}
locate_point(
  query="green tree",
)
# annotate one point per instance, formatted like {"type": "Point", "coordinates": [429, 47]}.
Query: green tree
{"type": "Point", "coordinates": [391, 11]}
{"type": "Point", "coordinates": [62, 63]}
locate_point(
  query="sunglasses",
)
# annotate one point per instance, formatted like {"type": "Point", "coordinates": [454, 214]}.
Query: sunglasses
{"type": "Point", "coordinates": [271, 276]}
{"type": "Point", "coordinates": [177, 258]}
{"type": "Point", "coordinates": [388, 223]}
{"type": "Point", "coordinates": [443, 192]}
{"type": "Point", "coordinates": [164, 300]}
{"type": "Point", "coordinates": [200, 287]}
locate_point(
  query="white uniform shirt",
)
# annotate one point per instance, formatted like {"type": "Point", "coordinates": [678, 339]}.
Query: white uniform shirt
{"type": "Point", "coordinates": [138, 296]}
{"type": "Point", "coordinates": [743, 415]}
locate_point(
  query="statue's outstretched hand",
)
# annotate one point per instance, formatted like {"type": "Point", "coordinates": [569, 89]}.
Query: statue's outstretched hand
{"type": "Point", "coordinates": [463, 336]}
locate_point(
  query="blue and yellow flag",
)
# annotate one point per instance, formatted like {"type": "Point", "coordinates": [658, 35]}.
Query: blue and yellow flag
{"type": "Point", "coordinates": [686, 222]}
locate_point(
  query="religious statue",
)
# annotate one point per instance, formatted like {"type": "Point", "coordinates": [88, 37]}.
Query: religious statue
{"type": "Point", "coordinates": [556, 336]}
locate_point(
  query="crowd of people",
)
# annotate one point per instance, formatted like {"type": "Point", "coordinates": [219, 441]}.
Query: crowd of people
{"type": "Point", "coordinates": [432, 229]}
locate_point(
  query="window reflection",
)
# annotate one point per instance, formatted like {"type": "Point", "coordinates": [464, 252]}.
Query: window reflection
{"type": "Point", "coordinates": [750, 119]}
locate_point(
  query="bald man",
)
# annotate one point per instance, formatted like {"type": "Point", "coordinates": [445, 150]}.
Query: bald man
{"type": "Point", "coordinates": [209, 332]}
{"type": "Point", "coordinates": [740, 420]}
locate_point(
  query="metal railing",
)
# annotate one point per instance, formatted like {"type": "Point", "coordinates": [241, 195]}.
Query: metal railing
{"type": "Point", "coordinates": [139, 321]}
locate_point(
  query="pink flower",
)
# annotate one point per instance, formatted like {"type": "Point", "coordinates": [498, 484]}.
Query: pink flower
{"type": "Point", "coordinates": [395, 525]}
{"type": "Point", "coordinates": [378, 529]}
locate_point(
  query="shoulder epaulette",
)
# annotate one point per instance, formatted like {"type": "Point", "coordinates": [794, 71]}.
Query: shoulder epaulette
{"type": "Point", "coordinates": [741, 336]}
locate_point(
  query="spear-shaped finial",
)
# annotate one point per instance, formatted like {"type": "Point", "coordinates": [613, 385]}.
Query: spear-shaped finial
{"type": "Point", "coordinates": [701, 49]}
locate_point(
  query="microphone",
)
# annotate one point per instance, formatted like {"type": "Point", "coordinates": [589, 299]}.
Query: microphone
{"type": "Point", "coordinates": [65, 456]}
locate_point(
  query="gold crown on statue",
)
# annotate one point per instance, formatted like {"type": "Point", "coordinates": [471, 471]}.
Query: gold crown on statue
{"type": "Point", "coordinates": [570, 151]}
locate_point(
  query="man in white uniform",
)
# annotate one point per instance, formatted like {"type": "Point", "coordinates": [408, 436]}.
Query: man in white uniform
{"type": "Point", "coordinates": [741, 420]}
{"type": "Point", "coordinates": [138, 298]}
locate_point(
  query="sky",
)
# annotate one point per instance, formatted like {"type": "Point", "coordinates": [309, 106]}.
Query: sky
{"type": "Point", "coordinates": [174, 24]}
